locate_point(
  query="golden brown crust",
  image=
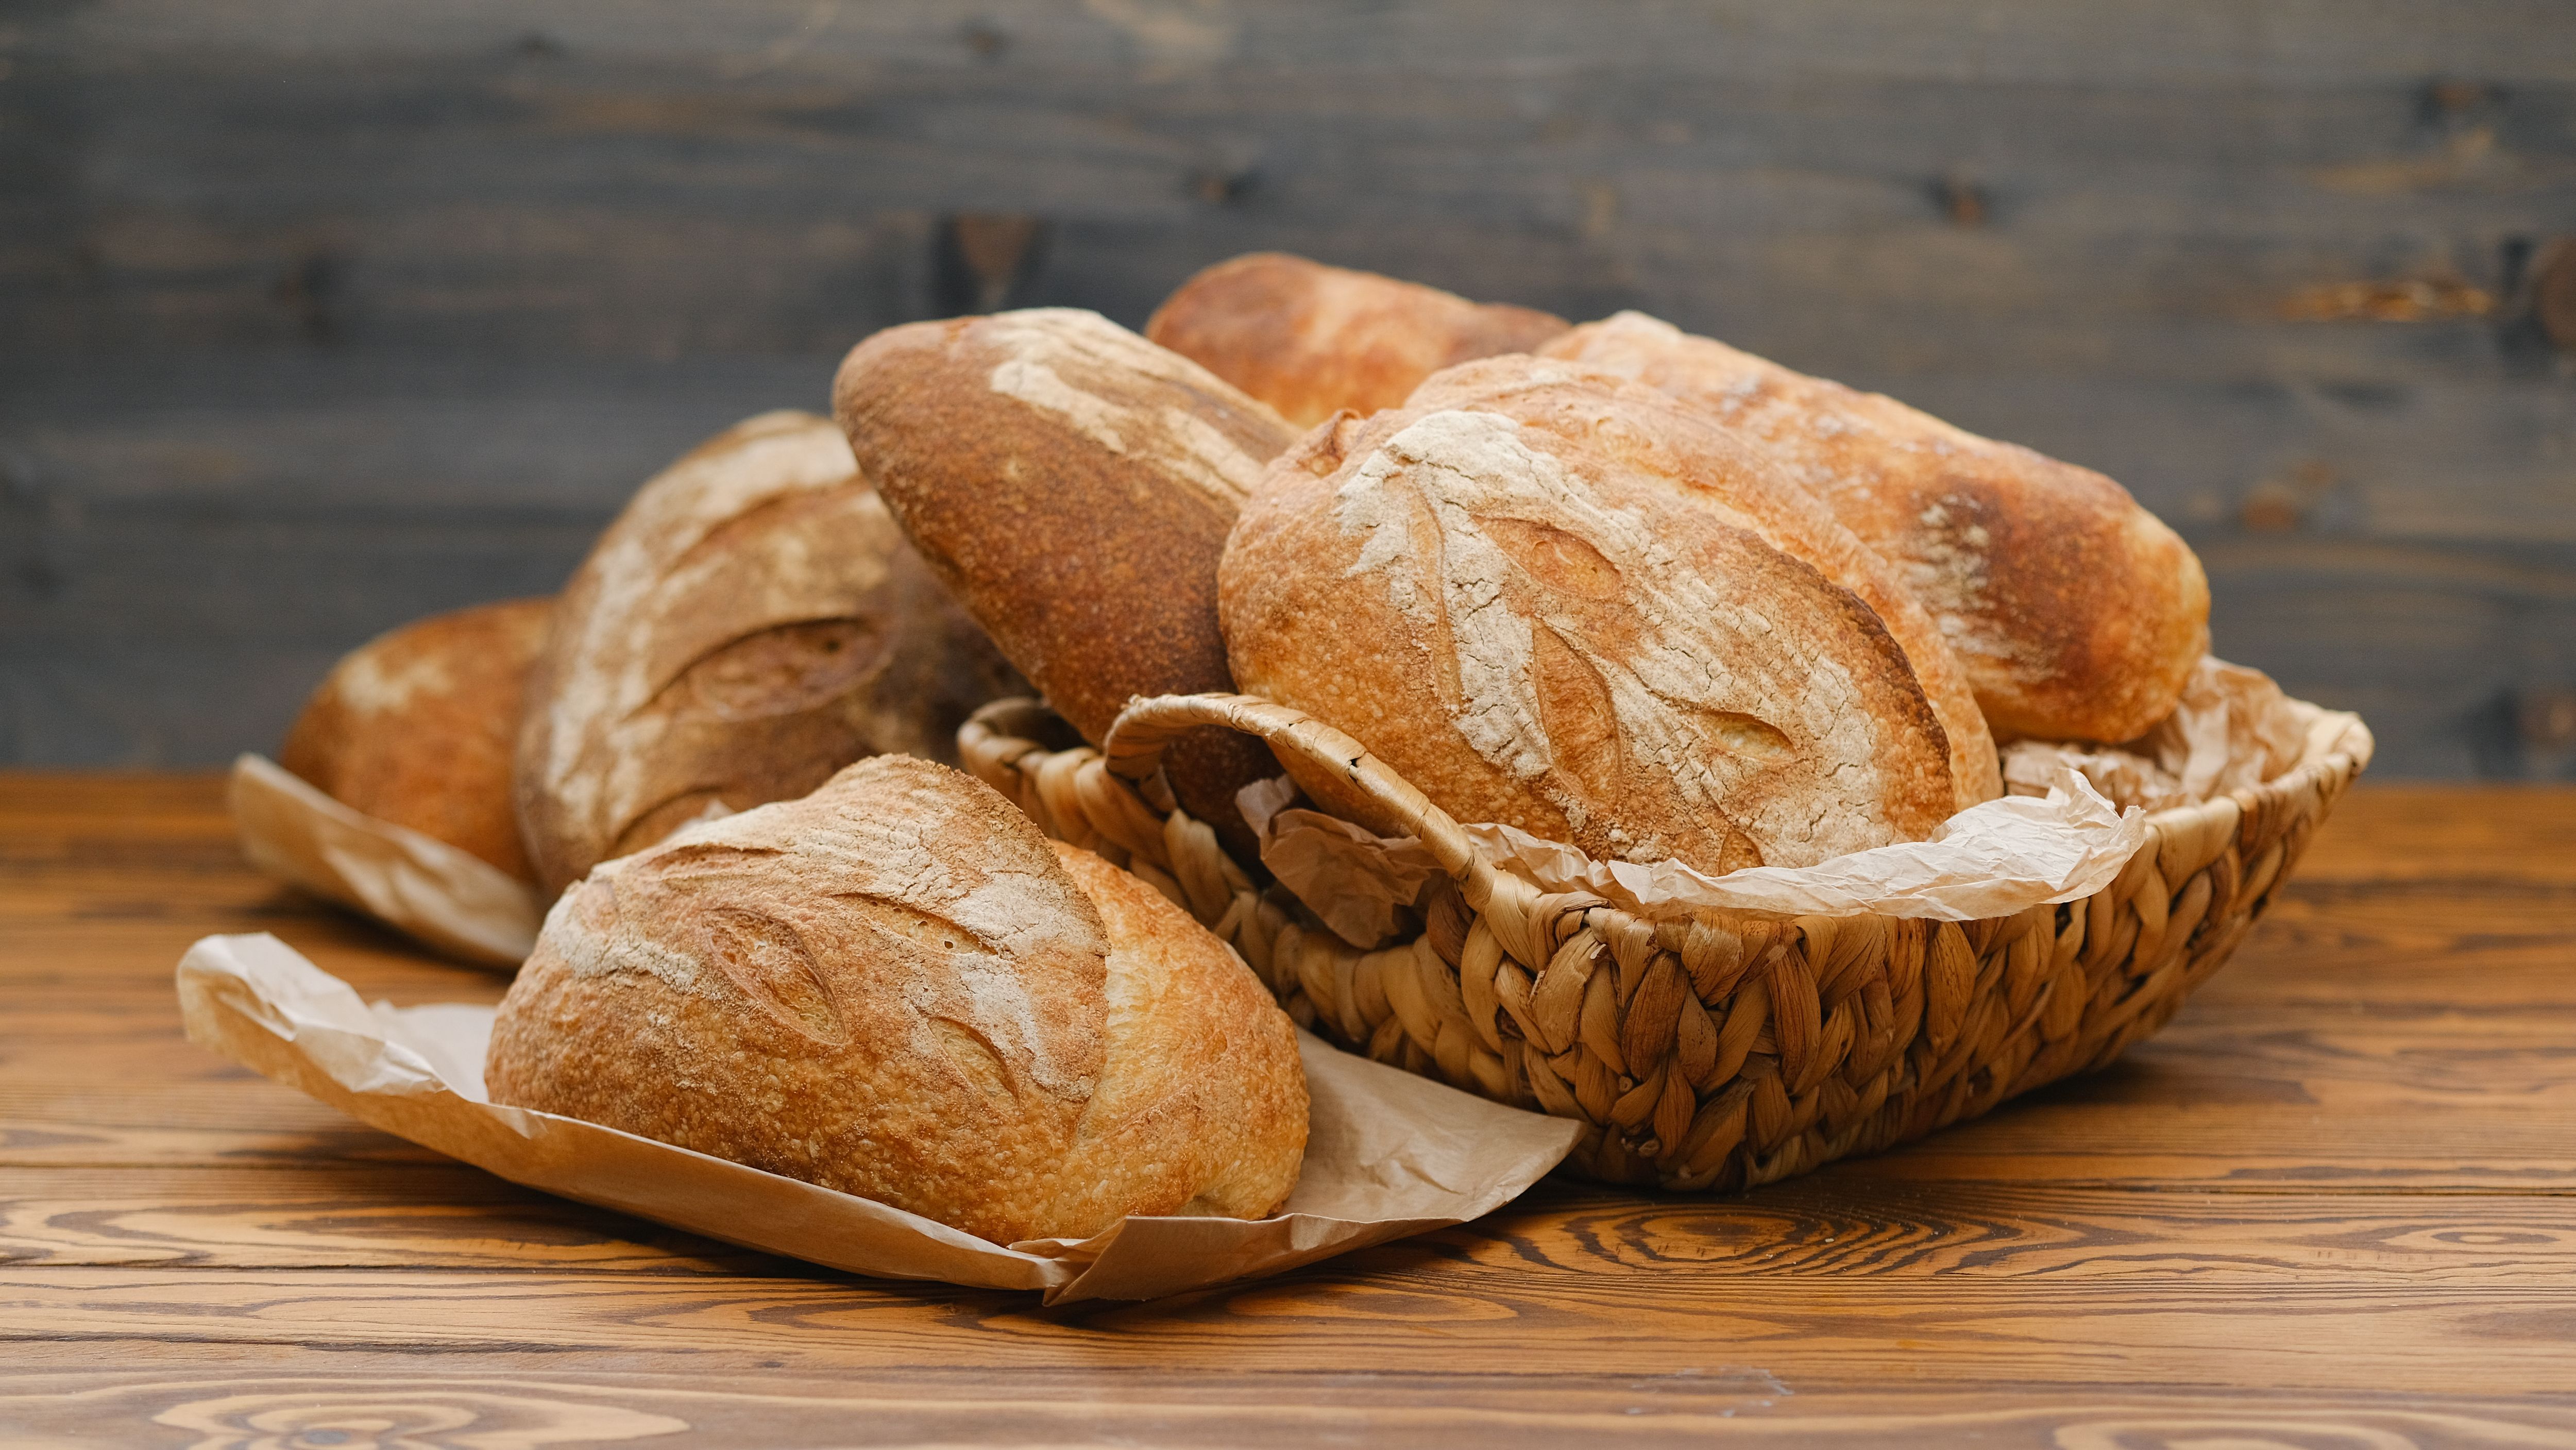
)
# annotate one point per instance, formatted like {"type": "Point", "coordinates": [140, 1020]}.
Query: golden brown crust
{"type": "Point", "coordinates": [1201, 1107]}
{"type": "Point", "coordinates": [1073, 483]}
{"type": "Point", "coordinates": [416, 727]}
{"type": "Point", "coordinates": [751, 623]}
{"type": "Point", "coordinates": [1311, 340]}
{"type": "Point", "coordinates": [1557, 600]}
{"type": "Point", "coordinates": [1656, 438]}
{"type": "Point", "coordinates": [895, 987]}
{"type": "Point", "coordinates": [2076, 613]}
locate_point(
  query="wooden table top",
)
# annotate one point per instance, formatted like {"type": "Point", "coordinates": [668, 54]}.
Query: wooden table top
{"type": "Point", "coordinates": [2333, 1205]}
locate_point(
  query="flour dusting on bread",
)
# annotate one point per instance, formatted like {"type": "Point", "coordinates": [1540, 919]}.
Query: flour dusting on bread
{"type": "Point", "coordinates": [1084, 369]}
{"type": "Point", "coordinates": [896, 987]}
{"type": "Point", "coordinates": [1580, 640]}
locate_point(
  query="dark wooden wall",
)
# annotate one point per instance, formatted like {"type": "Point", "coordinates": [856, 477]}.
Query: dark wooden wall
{"type": "Point", "coordinates": [319, 316]}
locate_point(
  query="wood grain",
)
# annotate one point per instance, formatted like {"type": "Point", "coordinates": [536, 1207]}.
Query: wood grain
{"type": "Point", "coordinates": [328, 321]}
{"type": "Point", "coordinates": [2333, 1204]}
{"type": "Point", "coordinates": [434, 1215]}
{"type": "Point", "coordinates": [382, 1392]}
{"type": "Point", "coordinates": [2335, 1336]}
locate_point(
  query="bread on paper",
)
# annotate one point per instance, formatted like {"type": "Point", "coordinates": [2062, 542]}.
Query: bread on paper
{"type": "Point", "coordinates": [416, 727]}
{"type": "Point", "coordinates": [897, 988]}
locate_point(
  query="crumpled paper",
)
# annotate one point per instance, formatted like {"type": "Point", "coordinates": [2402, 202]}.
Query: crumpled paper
{"type": "Point", "coordinates": [452, 901]}
{"type": "Point", "coordinates": [2232, 728]}
{"type": "Point", "coordinates": [1992, 859]}
{"type": "Point", "coordinates": [1387, 1154]}
{"type": "Point", "coordinates": [2073, 817]}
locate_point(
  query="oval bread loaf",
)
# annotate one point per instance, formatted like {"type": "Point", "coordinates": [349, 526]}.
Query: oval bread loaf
{"type": "Point", "coordinates": [1659, 439]}
{"type": "Point", "coordinates": [895, 987]}
{"type": "Point", "coordinates": [1073, 483]}
{"type": "Point", "coordinates": [2077, 614]}
{"type": "Point", "coordinates": [751, 623]}
{"type": "Point", "coordinates": [416, 727]}
{"type": "Point", "coordinates": [1311, 340]}
{"type": "Point", "coordinates": [1559, 601]}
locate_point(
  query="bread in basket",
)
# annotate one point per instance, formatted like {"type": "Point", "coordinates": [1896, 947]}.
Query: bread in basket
{"type": "Point", "coordinates": [1708, 1050]}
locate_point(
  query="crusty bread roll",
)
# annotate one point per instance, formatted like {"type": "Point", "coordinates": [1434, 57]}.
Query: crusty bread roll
{"type": "Point", "coordinates": [751, 623]}
{"type": "Point", "coordinates": [1310, 340]}
{"type": "Point", "coordinates": [415, 727]}
{"type": "Point", "coordinates": [1073, 483]}
{"type": "Point", "coordinates": [1564, 602]}
{"type": "Point", "coordinates": [897, 988]}
{"type": "Point", "coordinates": [2077, 614]}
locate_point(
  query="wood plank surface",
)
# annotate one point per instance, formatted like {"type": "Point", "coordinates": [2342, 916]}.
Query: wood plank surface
{"type": "Point", "coordinates": [2333, 1204]}
{"type": "Point", "coordinates": [328, 317]}
{"type": "Point", "coordinates": [363, 1395]}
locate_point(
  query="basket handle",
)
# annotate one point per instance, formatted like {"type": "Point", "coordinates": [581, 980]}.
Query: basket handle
{"type": "Point", "coordinates": [1133, 750]}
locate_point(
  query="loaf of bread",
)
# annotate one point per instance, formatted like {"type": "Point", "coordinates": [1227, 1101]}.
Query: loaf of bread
{"type": "Point", "coordinates": [1560, 601]}
{"type": "Point", "coordinates": [1311, 340]}
{"type": "Point", "coordinates": [2077, 614]}
{"type": "Point", "coordinates": [750, 624]}
{"type": "Point", "coordinates": [1073, 483]}
{"type": "Point", "coordinates": [895, 987]}
{"type": "Point", "coordinates": [416, 726]}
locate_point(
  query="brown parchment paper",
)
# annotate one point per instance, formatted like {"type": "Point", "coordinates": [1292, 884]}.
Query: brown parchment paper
{"type": "Point", "coordinates": [454, 902]}
{"type": "Point", "coordinates": [1387, 1154]}
{"type": "Point", "coordinates": [2075, 815]}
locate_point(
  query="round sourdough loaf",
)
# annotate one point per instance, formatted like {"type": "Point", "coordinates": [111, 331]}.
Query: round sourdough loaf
{"type": "Point", "coordinates": [897, 988]}
{"type": "Point", "coordinates": [2076, 613]}
{"type": "Point", "coordinates": [1560, 601]}
{"type": "Point", "coordinates": [1310, 340]}
{"type": "Point", "coordinates": [1073, 483]}
{"type": "Point", "coordinates": [415, 727]}
{"type": "Point", "coordinates": [751, 623]}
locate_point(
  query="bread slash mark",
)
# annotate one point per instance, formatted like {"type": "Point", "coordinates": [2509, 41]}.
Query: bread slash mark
{"type": "Point", "coordinates": [1743, 736]}
{"type": "Point", "coordinates": [781, 670]}
{"type": "Point", "coordinates": [1578, 720]}
{"type": "Point", "coordinates": [768, 960]}
{"type": "Point", "coordinates": [1561, 561]}
{"type": "Point", "coordinates": [974, 1057]}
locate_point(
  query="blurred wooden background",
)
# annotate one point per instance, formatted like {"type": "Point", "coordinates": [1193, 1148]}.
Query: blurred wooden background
{"type": "Point", "coordinates": [315, 317]}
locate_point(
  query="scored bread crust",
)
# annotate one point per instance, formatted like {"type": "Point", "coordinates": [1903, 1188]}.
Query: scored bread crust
{"type": "Point", "coordinates": [1311, 340]}
{"type": "Point", "coordinates": [2076, 613]}
{"type": "Point", "coordinates": [1555, 600]}
{"type": "Point", "coordinates": [753, 621]}
{"type": "Point", "coordinates": [1657, 438]}
{"type": "Point", "coordinates": [416, 727]}
{"type": "Point", "coordinates": [1201, 1107]}
{"type": "Point", "coordinates": [1073, 483]}
{"type": "Point", "coordinates": [896, 987]}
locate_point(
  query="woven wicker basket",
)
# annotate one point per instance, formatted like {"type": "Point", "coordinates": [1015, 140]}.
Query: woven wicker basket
{"type": "Point", "coordinates": [1717, 1052]}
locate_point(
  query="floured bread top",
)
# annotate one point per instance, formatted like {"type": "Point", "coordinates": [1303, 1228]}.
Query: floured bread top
{"type": "Point", "coordinates": [2076, 613]}
{"type": "Point", "coordinates": [665, 585]}
{"type": "Point", "coordinates": [1073, 483]}
{"type": "Point", "coordinates": [1652, 436]}
{"type": "Point", "coordinates": [752, 622]}
{"type": "Point", "coordinates": [894, 987]}
{"type": "Point", "coordinates": [775, 909]}
{"type": "Point", "coordinates": [1564, 610]}
{"type": "Point", "coordinates": [1086, 370]}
